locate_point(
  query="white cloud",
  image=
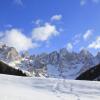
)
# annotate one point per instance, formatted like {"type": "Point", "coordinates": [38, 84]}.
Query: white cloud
{"type": "Point", "coordinates": [8, 26]}
{"type": "Point", "coordinates": [43, 33]}
{"type": "Point", "coordinates": [83, 2]}
{"type": "Point", "coordinates": [17, 39]}
{"type": "Point", "coordinates": [88, 34]}
{"type": "Point", "coordinates": [96, 1]}
{"type": "Point", "coordinates": [1, 35]}
{"type": "Point", "coordinates": [61, 30]}
{"type": "Point", "coordinates": [18, 2]}
{"type": "Point", "coordinates": [76, 39]}
{"type": "Point", "coordinates": [56, 17]}
{"type": "Point", "coordinates": [95, 44]}
{"type": "Point", "coordinates": [77, 36]}
{"type": "Point", "coordinates": [69, 47]}
{"type": "Point", "coordinates": [47, 44]}
{"type": "Point", "coordinates": [76, 42]}
{"type": "Point", "coordinates": [38, 21]}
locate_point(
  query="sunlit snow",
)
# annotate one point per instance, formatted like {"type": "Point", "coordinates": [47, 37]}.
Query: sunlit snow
{"type": "Point", "coordinates": [29, 88]}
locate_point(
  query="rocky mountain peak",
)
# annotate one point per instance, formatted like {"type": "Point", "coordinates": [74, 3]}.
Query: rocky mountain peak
{"type": "Point", "coordinates": [98, 55]}
{"type": "Point", "coordinates": [8, 53]}
{"type": "Point", "coordinates": [85, 55]}
{"type": "Point", "coordinates": [54, 57]}
{"type": "Point", "coordinates": [85, 52]}
{"type": "Point", "coordinates": [63, 51]}
{"type": "Point", "coordinates": [12, 53]}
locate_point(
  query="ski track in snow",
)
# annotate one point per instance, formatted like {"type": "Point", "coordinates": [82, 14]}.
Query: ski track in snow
{"type": "Point", "coordinates": [29, 88]}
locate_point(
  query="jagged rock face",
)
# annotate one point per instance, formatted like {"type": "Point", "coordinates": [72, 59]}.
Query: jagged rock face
{"type": "Point", "coordinates": [44, 58]}
{"type": "Point", "coordinates": [98, 57]}
{"type": "Point", "coordinates": [85, 56]}
{"type": "Point", "coordinates": [11, 53]}
{"type": "Point", "coordinates": [54, 58]}
{"type": "Point", "coordinates": [62, 63]}
{"type": "Point", "coordinates": [8, 53]}
{"type": "Point", "coordinates": [87, 59]}
{"type": "Point", "coordinates": [66, 56]}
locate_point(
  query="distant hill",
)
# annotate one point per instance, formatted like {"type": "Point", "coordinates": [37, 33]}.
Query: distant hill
{"type": "Point", "coordinates": [6, 69]}
{"type": "Point", "coordinates": [91, 74]}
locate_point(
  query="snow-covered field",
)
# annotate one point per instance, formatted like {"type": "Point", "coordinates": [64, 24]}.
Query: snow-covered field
{"type": "Point", "coordinates": [28, 88]}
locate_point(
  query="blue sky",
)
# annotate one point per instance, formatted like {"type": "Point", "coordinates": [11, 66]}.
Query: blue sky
{"type": "Point", "coordinates": [48, 25]}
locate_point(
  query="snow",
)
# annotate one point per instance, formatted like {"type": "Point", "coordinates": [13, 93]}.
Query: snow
{"type": "Point", "coordinates": [53, 71]}
{"type": "Point", "coordinates": [71, 72]}
{"type": "Point", "coordinates": [29, 88]}
{"type": "Point", "coordinates": [68, 72]}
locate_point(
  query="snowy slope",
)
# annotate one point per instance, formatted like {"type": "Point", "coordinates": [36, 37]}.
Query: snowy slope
{"type": "Point", "coordinates": [28, 88]}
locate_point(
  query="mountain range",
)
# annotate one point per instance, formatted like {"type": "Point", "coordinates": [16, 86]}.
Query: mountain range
{"type": "Point", "coordinates": [57, 64]}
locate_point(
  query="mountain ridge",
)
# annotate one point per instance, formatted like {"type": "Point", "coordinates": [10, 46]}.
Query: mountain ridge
{"type": "Point", "coordinates": [62, 63]}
